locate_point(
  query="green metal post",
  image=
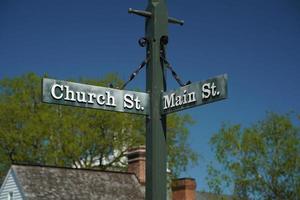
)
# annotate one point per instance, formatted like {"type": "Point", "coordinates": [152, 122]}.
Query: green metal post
{"type": "Point", "coordinates": [156, 152]}
{"type": "Point", "coordinates": [156, 142]}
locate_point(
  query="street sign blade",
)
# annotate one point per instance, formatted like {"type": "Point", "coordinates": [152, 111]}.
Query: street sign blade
{"type": "Point", "coordinates": [195, 94]}
{"type": "Point", "coordinates": [89, 96]}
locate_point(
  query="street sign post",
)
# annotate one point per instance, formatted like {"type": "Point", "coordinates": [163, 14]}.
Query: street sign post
{"type": "Point", "coordinates": [156, 103]}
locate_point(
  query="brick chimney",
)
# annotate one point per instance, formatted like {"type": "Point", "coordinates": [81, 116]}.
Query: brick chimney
{"type": "Point", "coordinates": [137, 162]}
{"type": "Point", "coordinates": [184, 189]}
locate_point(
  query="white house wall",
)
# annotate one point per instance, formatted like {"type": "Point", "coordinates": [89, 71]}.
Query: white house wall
{"type": "Point", "coordinates": [10, 185]}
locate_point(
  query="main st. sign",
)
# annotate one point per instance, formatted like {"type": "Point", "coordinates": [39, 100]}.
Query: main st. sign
{"type": "Point", "coordinates": [195, 94]}
{"type": "Point", "coordinates": [155, 104]}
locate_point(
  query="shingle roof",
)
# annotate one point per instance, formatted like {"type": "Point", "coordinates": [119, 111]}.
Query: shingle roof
{"type": "Point", "coordinates": [47, 183]}
{"type": "Point", "coordinates": [211, 196]}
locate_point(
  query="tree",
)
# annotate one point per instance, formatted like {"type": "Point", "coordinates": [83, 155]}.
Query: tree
{"type": "Point", "coordinates": [38, 133]}
{"type": "Point", "coordinates": [259, 162]}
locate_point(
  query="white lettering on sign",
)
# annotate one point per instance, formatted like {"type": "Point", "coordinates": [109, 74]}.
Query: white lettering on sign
{"type": "Point", "coordinates": [63, 92]}
{"type": "Point", "coordinates": [194, 94]}
{"type": "Point", "coordinates": [132, 102]}
{"type": "Point", "coordinates": [59, 92]}
{"type": "Point", "coordinates": [172, 100]}
{"type": "Point", "coordinates": [91, 97]}
{"type": "Point", "coordinates": [53, 94]}
{"type": "Point", "coordinates": [128, 101]}
{"type": "Point", "coordinates": [209, 90]}
{"type": "Point", "coordinates": [95, 97]}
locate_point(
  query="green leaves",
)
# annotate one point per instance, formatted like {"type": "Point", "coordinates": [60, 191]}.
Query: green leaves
{"type": "Point", "coordinates": [180, 155]}
{"type": "Point", "coordinates": [262, 160]}
{"type": "Point", "coordinates": [35, 132]}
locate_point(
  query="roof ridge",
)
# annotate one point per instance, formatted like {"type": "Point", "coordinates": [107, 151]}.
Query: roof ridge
{"type": "Point", "coordinates": [70, 168]}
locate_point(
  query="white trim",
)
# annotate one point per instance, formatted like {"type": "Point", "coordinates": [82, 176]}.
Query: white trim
{"type": "Point", "coordinates": [136, 151]}
{"type": "Point", "coordinates": [5, 180]}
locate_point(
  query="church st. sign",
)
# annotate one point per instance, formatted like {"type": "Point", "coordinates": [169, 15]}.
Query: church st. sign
{"type": "Point", "coordinates": [195, 94]}
{"type": "Point", "coordinates": [89, 96]}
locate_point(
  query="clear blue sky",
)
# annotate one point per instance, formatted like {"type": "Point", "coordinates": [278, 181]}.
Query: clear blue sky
{"type": "Point", "coordinates": [257, 43]}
